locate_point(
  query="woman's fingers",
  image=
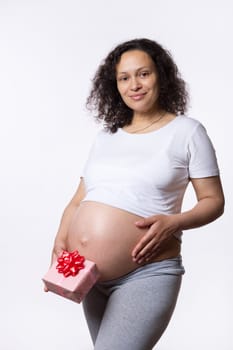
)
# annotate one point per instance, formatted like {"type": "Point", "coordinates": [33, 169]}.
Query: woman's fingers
{"type": "Point", "coordinates": [145, 222]}
{"type": "Point", "coordinates": [146, 255]}
{"type": "Point", "coordinates": [160, 228]}
{"type": "Point", "coordinates": [152, 254]}
{"type": "Point", "coordinates": [146, 245]}
{"type": "Point", "coordinates": [145, 250]}
{"type": "Point", "coordinates": [142, 243]}
{"type": "Point", "coordinates": [151, 250]}
{"type": "Point", "coordinates": [57, 251]}
{"type": "Point", "coordinates": [148, 241]}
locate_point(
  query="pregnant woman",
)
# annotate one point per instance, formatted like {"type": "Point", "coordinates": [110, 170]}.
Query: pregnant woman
{"type": "Point", "coordinates": [126, 214]}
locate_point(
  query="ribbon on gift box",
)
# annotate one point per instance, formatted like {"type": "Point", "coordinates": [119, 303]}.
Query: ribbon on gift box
{"type": "Point", "coordinates": [70, 263]}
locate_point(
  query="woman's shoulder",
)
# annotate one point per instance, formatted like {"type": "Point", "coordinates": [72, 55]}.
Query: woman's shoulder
{"type": "Point", "coordinates": [102, 136]}
{"type": "Point", "coordinates": [188, 121]}
{"type": "Point", "coordinates": [103, 133]}
{"type": "Point", "coordinates": [188, 124]}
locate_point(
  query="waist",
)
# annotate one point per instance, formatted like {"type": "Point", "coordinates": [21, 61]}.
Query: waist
{"type": "Point", "coordinates": [171, 266]}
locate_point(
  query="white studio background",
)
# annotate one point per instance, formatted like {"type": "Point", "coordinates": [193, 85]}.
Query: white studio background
{"type": "Point", "coordinates": [49, 53]}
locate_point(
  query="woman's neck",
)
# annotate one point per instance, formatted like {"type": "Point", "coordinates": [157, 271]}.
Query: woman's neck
{"type": "Point", "coordinates": [144, 118]}
{"type": "Point", "coordinates": [145, 123]}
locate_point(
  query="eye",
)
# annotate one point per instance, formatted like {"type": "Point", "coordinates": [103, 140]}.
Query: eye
{"type": "Point", "coordinates": [144, 74]}
{"type": "Point", "coordinates": [123, 78]}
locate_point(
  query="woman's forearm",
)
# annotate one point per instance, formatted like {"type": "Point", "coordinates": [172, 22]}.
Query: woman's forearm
{"type": "Point", "coordinates": [68, 213]}
{"type": "Point", "coordinates": [60, 239]}
{"type": "Point", "coordinates": [65, 223]}
{"type": "Point", "coordinates": [204, 212]}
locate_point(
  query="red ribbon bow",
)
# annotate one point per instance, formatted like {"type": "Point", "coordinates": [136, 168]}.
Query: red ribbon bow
{"type": "Point", "coordinates": [70, 263]}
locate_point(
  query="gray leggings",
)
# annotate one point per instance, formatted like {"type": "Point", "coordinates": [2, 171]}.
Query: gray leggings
{"type": "Point", "coordinates": [132, 312]}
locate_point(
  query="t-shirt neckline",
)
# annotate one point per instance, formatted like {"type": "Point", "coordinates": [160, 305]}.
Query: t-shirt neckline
{"type": "Point", "coordinates": [150, 132]}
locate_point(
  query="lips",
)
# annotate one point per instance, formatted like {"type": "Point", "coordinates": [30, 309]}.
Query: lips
{"type": "Point", "coordinates": [138, 97]}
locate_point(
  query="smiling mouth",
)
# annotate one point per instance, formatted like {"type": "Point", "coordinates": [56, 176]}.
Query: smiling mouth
{"type": "Point", "coordinates": [137, 97]}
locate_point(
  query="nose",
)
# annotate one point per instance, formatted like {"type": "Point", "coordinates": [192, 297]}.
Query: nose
{"type": "Point", "coordinates": [135, 84]}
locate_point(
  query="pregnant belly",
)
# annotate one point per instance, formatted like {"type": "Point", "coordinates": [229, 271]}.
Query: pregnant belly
{"type": "Point", "coordinates": [107, 236]}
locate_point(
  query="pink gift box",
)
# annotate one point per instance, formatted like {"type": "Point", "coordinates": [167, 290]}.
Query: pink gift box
{"type": "Point", "coordinates": [73, 287]}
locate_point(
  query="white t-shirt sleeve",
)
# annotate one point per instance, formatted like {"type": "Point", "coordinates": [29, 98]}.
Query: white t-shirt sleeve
{"type": "Point", "coordinates": [201, 154]}
{"type": "Point", "coordinates": [90, 155]}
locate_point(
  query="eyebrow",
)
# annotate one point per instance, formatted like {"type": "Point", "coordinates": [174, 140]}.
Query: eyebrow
{"type": "Point", "coordinates": [137, 70]}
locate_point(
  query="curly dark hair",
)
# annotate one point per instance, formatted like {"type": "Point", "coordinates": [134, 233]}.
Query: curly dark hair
{"type": "Point", "coordinates": [106, 100]}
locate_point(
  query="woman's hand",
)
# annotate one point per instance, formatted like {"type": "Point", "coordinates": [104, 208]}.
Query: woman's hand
{"type": "Point", "coordinates": [161, 228]}
{"type": "Point", "coordinates": [59, 244]}
{"type": "Point", "coordinates": [56, 252]}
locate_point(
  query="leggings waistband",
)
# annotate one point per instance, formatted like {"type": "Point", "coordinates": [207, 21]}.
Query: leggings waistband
{"type": "Point", "coordinates": [172, 266]}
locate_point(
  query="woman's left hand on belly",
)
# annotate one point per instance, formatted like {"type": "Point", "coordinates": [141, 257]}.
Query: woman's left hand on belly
{"type": "Point", "coordinates": [160, 229]}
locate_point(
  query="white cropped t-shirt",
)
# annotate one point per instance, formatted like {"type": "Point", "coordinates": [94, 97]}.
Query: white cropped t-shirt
{"type": "Point", "coordinates": [147, 174]}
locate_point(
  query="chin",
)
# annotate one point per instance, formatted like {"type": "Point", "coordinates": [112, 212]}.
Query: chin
{"type": "Point", "coordinates": [142, 110]}
{"type": "Point", "coordinates": [138, 107]}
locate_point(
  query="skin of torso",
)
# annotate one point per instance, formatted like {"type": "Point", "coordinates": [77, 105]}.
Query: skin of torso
{"type": "Point", "coordinates": [107, 235]}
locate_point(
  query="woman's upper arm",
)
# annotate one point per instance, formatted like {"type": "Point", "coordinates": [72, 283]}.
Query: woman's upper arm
{"type": "Point", "coordinates": [208, 187]}
{"type": "Point", "coordinates": [79, 194]}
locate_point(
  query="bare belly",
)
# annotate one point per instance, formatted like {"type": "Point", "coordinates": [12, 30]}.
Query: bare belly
{"type": "Point", "coordinates": [107, 236]}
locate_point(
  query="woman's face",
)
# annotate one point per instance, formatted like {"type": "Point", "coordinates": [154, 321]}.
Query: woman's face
{"type": "Point", "coordinates": [137, 81]}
